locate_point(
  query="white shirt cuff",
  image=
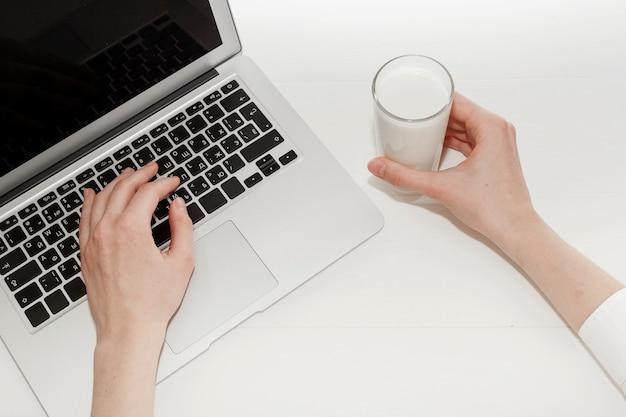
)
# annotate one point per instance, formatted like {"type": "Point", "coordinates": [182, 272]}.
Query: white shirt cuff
{"type": "Point", "coordinates": [604, 333]}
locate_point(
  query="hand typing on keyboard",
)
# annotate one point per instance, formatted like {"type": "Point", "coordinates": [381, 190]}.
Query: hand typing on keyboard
{"type": "Point", "coordinates": [133, 287]}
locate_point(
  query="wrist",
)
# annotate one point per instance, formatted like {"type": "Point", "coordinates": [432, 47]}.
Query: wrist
{"type": "Point", "coordinates": [125, 369]}
{"type": "Point", "coordinates": [131, 338]}
{"type": "Point", "coordinates": [519, 232]}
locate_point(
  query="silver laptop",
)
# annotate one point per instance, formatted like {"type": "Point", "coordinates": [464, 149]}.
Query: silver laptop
{"type": "Point", "coordinates": [96, 86]}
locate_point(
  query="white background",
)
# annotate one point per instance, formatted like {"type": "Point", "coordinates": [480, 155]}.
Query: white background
{"type": "Point", "coordinates": [427, 318]}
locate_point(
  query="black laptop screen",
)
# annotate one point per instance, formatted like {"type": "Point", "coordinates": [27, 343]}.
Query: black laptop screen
{"type": "Point", "coordinates": [66, 63]}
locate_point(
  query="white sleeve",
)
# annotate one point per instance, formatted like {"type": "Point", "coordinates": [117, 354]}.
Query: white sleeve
{"type": "Point", "coordinates": [604, 333]}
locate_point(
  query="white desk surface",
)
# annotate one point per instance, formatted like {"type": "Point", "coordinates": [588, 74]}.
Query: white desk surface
{"type": "Point", "coordinates": [427, 318]}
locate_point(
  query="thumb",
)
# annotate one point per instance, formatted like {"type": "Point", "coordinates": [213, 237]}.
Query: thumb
{"type": "Point", "coordinates": [181, 226]}
{"type": "Point", "coordinates": [402, 176]}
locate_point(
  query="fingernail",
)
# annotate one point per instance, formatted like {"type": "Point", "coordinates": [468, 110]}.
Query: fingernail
{"type": "Point", "coordinates": [178, 203]}
{"type": "Point", "coordinates": [377, 167]}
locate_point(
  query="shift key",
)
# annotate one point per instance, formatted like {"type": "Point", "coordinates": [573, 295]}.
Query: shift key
{"type": "Point", "coordinates": [23, 275]}
{"type": "Point", "coordinates": [262, 145]}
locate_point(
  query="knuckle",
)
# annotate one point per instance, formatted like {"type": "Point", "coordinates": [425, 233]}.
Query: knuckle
{"type": "Point", "coordinates": [102, 233]}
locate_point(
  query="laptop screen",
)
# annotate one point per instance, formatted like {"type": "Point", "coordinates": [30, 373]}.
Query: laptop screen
{"type": "Point", "coordinates": [67, 63]}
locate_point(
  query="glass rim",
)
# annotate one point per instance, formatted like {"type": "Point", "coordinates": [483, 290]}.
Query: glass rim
{"type": "Point", "coordinates": [402, 119]}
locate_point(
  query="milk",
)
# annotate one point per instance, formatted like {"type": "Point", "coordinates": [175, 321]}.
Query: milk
{"type": "Point", "coordinates": [412, 110]}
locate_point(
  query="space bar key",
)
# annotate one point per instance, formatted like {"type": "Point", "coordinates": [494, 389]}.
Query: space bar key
{"type": "Point", "coordinates": [262, 145]}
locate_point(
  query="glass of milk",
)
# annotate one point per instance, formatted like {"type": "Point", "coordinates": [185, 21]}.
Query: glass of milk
{"type": "Point", "coordinates": [412, 99]}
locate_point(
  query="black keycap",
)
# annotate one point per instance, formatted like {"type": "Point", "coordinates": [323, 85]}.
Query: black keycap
{"type": "Point", "coordinates": [56, 301]}
{"type": "Point", "coordinates": [28, 295]}
{"type": "Point", "coordinates": [196, 166]}
{"type": "Point", "coordinates": [27, 211]}
{"type": "Point", "coordinates": [235, 100]}
{"type": "Point", "coordinates": [50, 281]}
{"type": "Point", "coordinates": [181, 174]}
{"type": "Point", "coordinates": [194, 108]}
{"type": "Point", "coordinates": [161, 145]}
{"type": "Point", "coordinates": [34, 224]}
{"type": "Point", "coordinates": [159, 130]}
{"type": "Point", "coordinates": [69, 268]}
{"type": "Point", "coordinates": [140, 141]}
{"type": "Point", "coordinates": [162, 209]}
{"type": "Point", "coordinates": [23, 275]}
{"type": "Point", "coordinates": [106, 177]}
{"type": "Point", "coordinates": [233, 188]}
{"type": "Point", "coordinates": [234, 164]}
{"type": "Point", "coordinates": [49, 258]}
{"type": "Point", "coordinates": [37, 314]}
{"type": "Point", "coordinates": [253, 180]}
{"type": "Point", "coordinates": [15, 236]}
{"type": "Point", "coordinates": [71, 201]}
{"type": "Point", "coordinates": [216, 175]}
{"type": "Point", "coordinates": [71, 222]}
{"type": "Point", "coordinates": [213, 201]}
{"type": "Point", "coordinates": [47, 199]}
{"type": "Point", "coordinates": [198, 143]}
{"type": "Point", "coordinates": [104, 164]}
{"type": "Point", "coordinates": [213, 97]}
{"type": "Point", "coordinates": [213, 113]}
{"type": "Point", "coordinates": [181, 154]}
{"type": "Point", "coordinates": [195, 212]}
{"type": "Point", "coordinates": [122, 153]}
{"type": "Point", "coordinates": [161, 233]}
{"type": "Point", "coordinates": [3, 246]}
{"type": "Point", "coordinates": [84, 176]}
{"type": "Point", "coordinates": [123, 164]}
{"type": "Point", "coordinates": [288, 157]}
{"type": "Point", "coordinates": [165, 165]}
{"type": "Point", "coordinates": [68, 246]}
{"type": "Point", "coordinates": [34, 246]}
{"type": "Point", "coordinates": [216, 132]}
{"type": "Point", "coordinates": [262, 146]}
{"type": "Point", "coordinates": [91, 185]}
{"type": "Point", "coordinates": [231, 144]}
{"type": "Point", "coordinates": [179, 134]}
{"type": "Point", "coordinates": [11, 260]}
{"type": "Point", "coordinates": [143, 156]}
{"type": "Point", "coordinates": [196, 124]}
{"type": "Point", "coordinates": [52, 213]}
{"type": "Point", "coordinates": [252, 112]}
{"type": "Point", "coordinates": [233, 122]}
{"type": "Point", "coordinates": [248, 133]}
{"type": "Point", "coordinates": [65, 188]}
{"type": "Point", "coordinates": [181, 193]}
{"type": "Point", "coordinates": [180, 117]}
{"type": "Point", "coordinates": [75, 289]}
{"type": "Point", "coordinates": [7, 223]}
{"type": "Point", "coordinates": [198, 186]}
{"type": "Point", "coordinates": [214, 155]}
{"type": "Point", "coordinates": [268, 165]}
{"type": "Point", "coordinates": [230, 87]}
{"type": "Point", "coordinates": [53, 234]}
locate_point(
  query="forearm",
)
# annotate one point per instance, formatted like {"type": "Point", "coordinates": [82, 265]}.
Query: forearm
{"type": "Point", "coordinates": [574, 285]}
{"type": "Point", "coordinates": [125, 375]}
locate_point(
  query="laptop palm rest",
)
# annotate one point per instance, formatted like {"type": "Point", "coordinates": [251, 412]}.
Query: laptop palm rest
{"type": "Point", "coordinates": [228, 277]}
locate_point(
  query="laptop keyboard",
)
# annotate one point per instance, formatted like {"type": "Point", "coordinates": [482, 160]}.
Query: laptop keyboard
{"type": "Point", "coordinates": [220, 146]}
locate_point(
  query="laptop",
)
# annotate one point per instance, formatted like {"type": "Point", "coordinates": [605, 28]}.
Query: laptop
{"type": "Point", "coordinates": [98, 86]}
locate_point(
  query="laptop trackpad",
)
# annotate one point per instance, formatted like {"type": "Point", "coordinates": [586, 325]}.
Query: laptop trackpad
{"type": "Point", "coordinates": [228, 277]}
